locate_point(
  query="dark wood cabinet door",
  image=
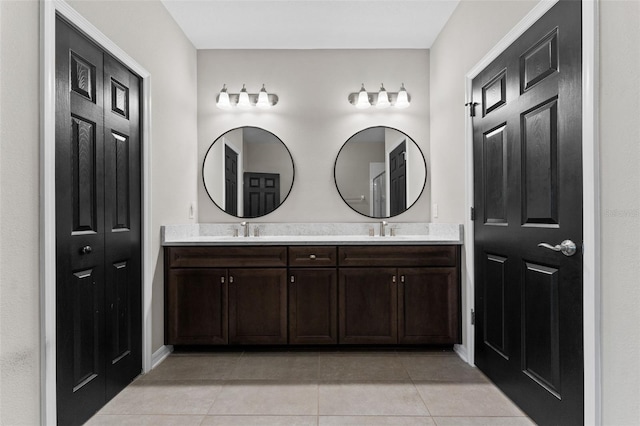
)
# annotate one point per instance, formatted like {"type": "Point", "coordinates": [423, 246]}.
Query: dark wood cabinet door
{"type": "Point", "coordinates": [428, 306]}
{"type": "Point", "coordinates": [313, 299]}
{"type": "Point", "coordinates": [368, 302]}
{"type": "Point", "coordinates": [197, 307]}
{"type": "Point", "coordinates": [258, 306]}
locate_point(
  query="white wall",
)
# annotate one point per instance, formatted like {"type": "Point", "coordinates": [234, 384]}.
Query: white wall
{"type": "Point", "coordinates": [620, 208]}
{"type": "Point", "coordinates": [453, 54]}
{"type": "Point", "coordinates": [147, 33]}
{"type": "Point", "coordinates": [313, 117]}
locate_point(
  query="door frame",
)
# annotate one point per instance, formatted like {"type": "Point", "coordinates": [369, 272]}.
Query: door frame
{"type": "Point", "coordinates": [48, 11]}
{"type": "Point", "coordinates": [591, 199]}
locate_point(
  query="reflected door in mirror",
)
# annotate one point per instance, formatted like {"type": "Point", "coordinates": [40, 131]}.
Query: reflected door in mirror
{"type": "Point", "coordinates": [230, 181]}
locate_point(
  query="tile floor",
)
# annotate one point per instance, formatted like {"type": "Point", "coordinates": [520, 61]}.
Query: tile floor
{"type": "Point", "coordinates": [312, 388]}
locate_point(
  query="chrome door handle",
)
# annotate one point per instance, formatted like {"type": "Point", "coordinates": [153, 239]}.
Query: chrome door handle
{"type": "Point", "coordinates": [567, 247]}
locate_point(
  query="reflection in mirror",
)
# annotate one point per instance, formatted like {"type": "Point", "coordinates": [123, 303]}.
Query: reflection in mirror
{"type": "Point", "coordinates": [248, 172]}
{"type": "Point", "coordinates": [380, 172]}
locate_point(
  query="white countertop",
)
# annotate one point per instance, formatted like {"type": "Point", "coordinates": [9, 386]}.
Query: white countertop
{"type": "Point", "coordinates": [311, 234]}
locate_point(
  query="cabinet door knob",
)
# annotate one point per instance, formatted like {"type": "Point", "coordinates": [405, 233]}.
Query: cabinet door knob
{"type": "Point", "coordinates": [86, 250]}
{"type": "Point", "coordinates": [393, 280]}
{"type": "Point", "coordinates": [293, 279]}
{"type": "Point", "coordinates": [401, 278]}
{"type": "Point", "coordinates": [222, 280]}
{"type": "Point", "coordinates": [312, 256]}
{"type": "Point", "coordinates": [230, 280]}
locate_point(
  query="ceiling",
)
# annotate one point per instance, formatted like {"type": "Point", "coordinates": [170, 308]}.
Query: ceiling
{"type": "Point", "coordinates": [311, 24]}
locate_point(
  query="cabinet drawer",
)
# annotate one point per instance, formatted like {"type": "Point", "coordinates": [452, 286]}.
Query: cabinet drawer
{"type": "Point", "coordinates": [312, 256]}
{"type": "Point", "coordinates": [226, 257]}
{"type": "Point", "coordinates": [398, 256]}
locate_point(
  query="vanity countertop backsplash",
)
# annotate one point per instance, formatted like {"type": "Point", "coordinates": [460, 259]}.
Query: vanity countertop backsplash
{"type": "Point", "coordinates": [257, 233]}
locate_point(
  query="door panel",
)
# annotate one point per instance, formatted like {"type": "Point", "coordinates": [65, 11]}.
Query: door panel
{"type": "Point", "coordinates": [98, 283]}
{"type": "Point", "coordinates": [528, 190]}
{"type": "Point", "coordinates": [261, 193]}
{"type": "Point", "coordinates": [313, 300]}
{"type": "Point", "coordinates": [368, 306]}
{"type": "Point", "coordinates": [398, 179]}
{"type": "Point", "coordinates": [230, 181]}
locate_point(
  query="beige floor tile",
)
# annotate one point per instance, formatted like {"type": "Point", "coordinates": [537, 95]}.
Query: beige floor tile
{"type": "Point", "coordinates": [375, 421]}
{"type": "Point", "coordinates": [266, 398]}
{"type": "Point", "coordinates": [144, 420]}
{"type": "Point", "coordinates": [466, 400]}
{"type": "Point", "coordinates": [180, 367]}
{"type": "Point", "coordinates": [374, 398]}
{"type": "Point", "coordinates": [276, 366]}
{"type": "Point", "coordinates": [165, 397]}
{"type": "Point", "coordinates": [260, 421]}
{"type": "Point", "coordinates": [383, 367]}
{"type": "Point", "coordinates": [483, 421]}
{"type": "Point", "coordinates": [441, 368]}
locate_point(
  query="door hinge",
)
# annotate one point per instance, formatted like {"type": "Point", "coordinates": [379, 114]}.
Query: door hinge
{"type": "Point", "coordinates": [473, 213]}
{"type": "Point", "coordinates": [472, 108]}
{"type": "Point", "coordinates": [473, 317]}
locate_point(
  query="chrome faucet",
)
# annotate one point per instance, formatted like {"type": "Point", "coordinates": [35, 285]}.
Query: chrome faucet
{"type": "Point", "coordinates": [245, 225]}
{"type": "Point", "coordinates": [383, 226]}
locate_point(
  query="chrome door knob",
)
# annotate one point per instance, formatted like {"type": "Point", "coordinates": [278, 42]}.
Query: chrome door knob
{"type": "Point", "coordinates": [567, 247]}
{"type": "Point", "coordinates": [86, 250]}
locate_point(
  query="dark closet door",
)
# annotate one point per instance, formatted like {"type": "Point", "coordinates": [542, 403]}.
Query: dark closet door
{"type": "Point", "coordinates": [98, 283]}
{"type": "Point", "coordinates": [123, 283]}
{"type": "Point", "coordinates": [230, 181]}
{"type": "Point", "coordinates": [528, 190]}
{"type": "Point", "coordinates": [261, 193]}
{"type": "Point", "coordinates": [398, 180]}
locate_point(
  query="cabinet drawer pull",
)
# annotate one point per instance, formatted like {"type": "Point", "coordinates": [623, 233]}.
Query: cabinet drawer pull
{"type": "Point", "coordinates": [312, 256]}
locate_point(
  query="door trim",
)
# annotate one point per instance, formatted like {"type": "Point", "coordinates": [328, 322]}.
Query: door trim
{"type": "Point", "coordinates": [591, 200]}
{"type": "Point", "coordinates": [48, 11]}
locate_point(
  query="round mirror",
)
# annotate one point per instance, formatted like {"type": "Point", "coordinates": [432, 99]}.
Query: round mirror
{"type": "Point", "coordinates": [248, 172]}
{"type": "Point", "coordinates": [380, 172]}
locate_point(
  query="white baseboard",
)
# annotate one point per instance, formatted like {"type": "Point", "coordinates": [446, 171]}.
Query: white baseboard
{"type": "Point", "coordinates": [462, 352]}
{"type": "Point", "coordinates": [160, 355]}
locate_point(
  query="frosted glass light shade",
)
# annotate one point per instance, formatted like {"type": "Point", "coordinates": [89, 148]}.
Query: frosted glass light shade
{"type": "Point", "coordinates": [383, 98]}
{"type": "Point", "coordinates": [243, 99]}
{"type": "Point", "coordinates": [263, 99]}
{"type": "Point", "coordinates": [363, 99]}
{"type": "Point", "coordinates": [403, 98]}
{"type": "Point", "coordinates": [223, 99]}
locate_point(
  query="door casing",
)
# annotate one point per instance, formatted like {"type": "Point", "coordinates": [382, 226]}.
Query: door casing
{"type": "Point", "coordinates": [48, 11]}
{"type": "Point", "coordinates": [591, 201]}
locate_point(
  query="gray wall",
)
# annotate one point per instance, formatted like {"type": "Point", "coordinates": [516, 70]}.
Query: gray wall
{"type": "Point", "coordinates": [147, 33]}
{"type": "Point", "coordinates": [313, 117]}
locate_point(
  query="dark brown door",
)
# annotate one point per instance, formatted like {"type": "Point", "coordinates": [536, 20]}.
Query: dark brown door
{"type": "Point", "coordinates": [313, 300]}
{"type": "Point", "coordinates": [258, 306]}
{"type": "Point", "coordinates": [398, 179]}
{"type": "Point", "coordinates": [368, 303]}
{"type": "Point", "coordinates": [261, 193]}
{"type": "Point", "coordinates": [197, 306]}
{"type": "Point", "coordinates": [428, 306]}
{"type": "Point", "coordinates": [230, 181]}
{"type": "Point", "coordinates": [528, 190]}
{"type": "Point", "coordinates": [98, 255]}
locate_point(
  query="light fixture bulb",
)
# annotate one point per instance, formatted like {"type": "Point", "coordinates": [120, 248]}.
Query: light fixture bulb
{"type": "Point", "coordinates": [263, 99]}
{"type": "Point", "coordinates": [363, 99]}
{"type": "Point", "coordinates": [243, 99]}
{"type": "Point", "coordinates": [223, 98]}
{"type": "Point", "coordinates": [403, 98]}
{"type": "Point", "coordinates": [383, 98]}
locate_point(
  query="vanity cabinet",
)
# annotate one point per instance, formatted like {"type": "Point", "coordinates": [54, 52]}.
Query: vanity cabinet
{"type": "Point", "coordinates": [416, 303]}
{"type": "Point", "coordinates": [313, 295]}
{"type": "Point", "coordinates": [220, 295]}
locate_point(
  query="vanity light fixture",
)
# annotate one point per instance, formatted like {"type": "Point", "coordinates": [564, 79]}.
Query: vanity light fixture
{"type": "Point", "coordinates": [381, 99]}
{"type": "Point", "coordinates": [245, 100]}
{"type": "Point", "coordinates": [363, 99]}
